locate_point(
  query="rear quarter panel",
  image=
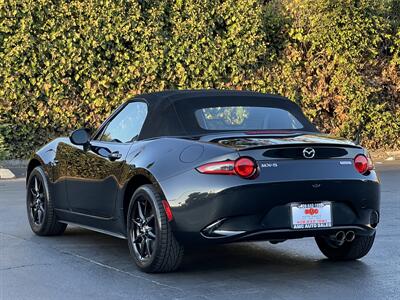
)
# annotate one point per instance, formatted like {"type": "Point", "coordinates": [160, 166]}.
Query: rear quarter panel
{"type": "Point", "coordinates": [169, 157]}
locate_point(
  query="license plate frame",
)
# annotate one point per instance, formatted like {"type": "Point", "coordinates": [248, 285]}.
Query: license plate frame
{"type": "Point", "coordinates": [314, 215]}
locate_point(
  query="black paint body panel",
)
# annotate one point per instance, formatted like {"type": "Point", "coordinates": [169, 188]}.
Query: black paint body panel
{"type": "Point", "coordinates": [91, 190]}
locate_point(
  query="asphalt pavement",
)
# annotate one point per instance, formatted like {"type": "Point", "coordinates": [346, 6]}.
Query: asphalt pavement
{"type": "Point", "coordinates": [83, 264]}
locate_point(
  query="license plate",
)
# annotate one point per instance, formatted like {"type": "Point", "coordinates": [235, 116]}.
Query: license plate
{"type": "Point", "coordinates": [311, 215]}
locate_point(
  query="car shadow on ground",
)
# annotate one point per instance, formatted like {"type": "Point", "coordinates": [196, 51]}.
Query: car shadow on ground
{"type": "Point", "coordinates": [258, 262]}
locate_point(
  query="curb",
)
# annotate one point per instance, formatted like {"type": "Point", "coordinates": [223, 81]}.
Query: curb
{"type": "Point", "coordinates": [381, 156]}
{"type": "Point", "coordinates": [13, 168]}
{"type": "Point", "coordinates": [392, 155]}
{"type": "Point", "coordinates": [6, 174]}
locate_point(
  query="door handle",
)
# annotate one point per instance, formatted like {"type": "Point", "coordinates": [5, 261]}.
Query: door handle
{"type": "Point", "coordinates": [114, 155]}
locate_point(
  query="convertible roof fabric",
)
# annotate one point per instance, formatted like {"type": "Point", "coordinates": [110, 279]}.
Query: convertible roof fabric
{"type": "Point", "coordinates": [171, 113]}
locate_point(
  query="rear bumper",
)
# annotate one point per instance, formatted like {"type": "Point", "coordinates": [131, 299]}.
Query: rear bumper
{"type": "Point", "coordinates": [190, 238]}
{"type": "Point", "coordinates": [276, 225]}
{"type": "Point", "coordinates": [247, 210]}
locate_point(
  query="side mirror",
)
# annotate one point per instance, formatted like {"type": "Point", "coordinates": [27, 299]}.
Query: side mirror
{"type": "Point", "coordinates": [80, 137]}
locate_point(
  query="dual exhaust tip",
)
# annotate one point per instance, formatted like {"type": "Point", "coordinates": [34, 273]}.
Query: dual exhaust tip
{"type": "Point", "coordinates": [342, 236]}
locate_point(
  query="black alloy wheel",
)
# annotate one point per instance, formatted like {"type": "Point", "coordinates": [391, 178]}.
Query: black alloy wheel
{"type": "Point", "coordinates": [37, 200]}
{"type": "Point", "coordinates": [151, 240]}
{"type": "Point", "coordinates": [143, 229]}
{"type": "Point", "coordinates": [40, 206]}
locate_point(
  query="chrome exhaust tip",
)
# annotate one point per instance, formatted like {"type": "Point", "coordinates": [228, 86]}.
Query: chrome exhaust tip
{"type": "Point", "coordinates": [350, 236]}
{"type": "Point", "coordinates": [213, 230]}
{"type": "Point", "coordinates": [340, 236]}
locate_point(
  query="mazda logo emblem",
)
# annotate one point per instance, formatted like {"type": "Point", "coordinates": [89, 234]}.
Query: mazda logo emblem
{"type": "Point", "coordinates": [308, 152]}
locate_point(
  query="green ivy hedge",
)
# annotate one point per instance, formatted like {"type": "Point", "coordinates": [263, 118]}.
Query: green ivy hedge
{"type": "Point", "coordinates": [67, 64]}
{"type": "Point", "coordinates": [3, 150]}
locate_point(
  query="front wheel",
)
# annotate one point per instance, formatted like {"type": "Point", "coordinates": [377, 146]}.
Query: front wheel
{"type": "Point", "coordinates": [355, 249]}
{"type": "Point", "coordinates": [40, 205]}
{"type": "Point", "coordinates": [150, 238]}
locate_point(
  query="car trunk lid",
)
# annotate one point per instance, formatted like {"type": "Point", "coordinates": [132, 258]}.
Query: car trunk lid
{"type": "Point", "coordinates": [276, 146]}
{"type": "Point", "coordinates": [296, 156]}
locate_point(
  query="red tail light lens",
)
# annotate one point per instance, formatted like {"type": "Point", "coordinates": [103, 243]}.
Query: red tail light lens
{"type": "Point", "coordinates": [363, 164]}
{"type": "Point", "coordinates": [222, 167]}
{"type": "Point", "coordinates": [244, 167]}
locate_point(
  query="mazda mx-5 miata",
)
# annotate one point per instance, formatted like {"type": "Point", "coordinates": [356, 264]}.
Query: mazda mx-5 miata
{"type": "Point", "coordinates": [177, 168]}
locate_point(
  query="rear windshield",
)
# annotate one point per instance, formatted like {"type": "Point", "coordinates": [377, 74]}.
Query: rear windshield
{"type": "Point", "coordinates": [202, 115]}
{"type": "Point", "coordinates": [246, 118]}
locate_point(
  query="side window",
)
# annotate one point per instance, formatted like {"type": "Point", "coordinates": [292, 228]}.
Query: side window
{"type": "Point", "coordinates": [126, 125]}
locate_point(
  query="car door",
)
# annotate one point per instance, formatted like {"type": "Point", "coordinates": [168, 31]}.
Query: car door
{"type": "Point", "coordinates": [93, 173]}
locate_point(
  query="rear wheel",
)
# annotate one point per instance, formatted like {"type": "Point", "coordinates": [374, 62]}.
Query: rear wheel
{"type": "Point", "coordinates": [150, 238]}
{"type": "Point", "coordinates": [40, 205]}
{"type": "Point", "coordinates": [356, 249]}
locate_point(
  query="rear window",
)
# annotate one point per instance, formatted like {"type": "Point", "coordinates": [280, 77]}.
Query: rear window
{"type": "Point", "coordinates": [246, 118]}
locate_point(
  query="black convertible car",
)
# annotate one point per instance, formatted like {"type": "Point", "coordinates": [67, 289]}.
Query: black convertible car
{"type": "Point", "coordinates": [178, 168]}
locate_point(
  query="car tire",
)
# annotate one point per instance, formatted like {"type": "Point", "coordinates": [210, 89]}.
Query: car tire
{"type": "Point", "coordinates": [40, 205]}
{"type": "Point", "coordinates": [356, 249]}
{"type": "Point", "coordinates": [151, 243]}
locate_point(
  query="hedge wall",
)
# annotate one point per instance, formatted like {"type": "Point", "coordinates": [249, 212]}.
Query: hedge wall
{"type": "Point", "coordinates": [66, 64]}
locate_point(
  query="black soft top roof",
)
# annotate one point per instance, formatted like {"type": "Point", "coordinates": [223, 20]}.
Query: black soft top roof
{"type": "Point", "coordinates": [171, 113]}
{"type": "Point", "coordinates": [176, 95]}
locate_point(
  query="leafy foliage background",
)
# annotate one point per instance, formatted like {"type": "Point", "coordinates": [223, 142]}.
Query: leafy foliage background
{"type": "Point", "coordinates": [3, 150]}
{"type": "Point", "coordinates": [67, 64]}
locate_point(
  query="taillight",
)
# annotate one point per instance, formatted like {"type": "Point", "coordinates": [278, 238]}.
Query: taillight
{"type": "Point", "coordinates": [363, 164]}
{"type": "Point", "coordinates": [221, 167]}
{"type": "Point", "coordinates": [244, 167]}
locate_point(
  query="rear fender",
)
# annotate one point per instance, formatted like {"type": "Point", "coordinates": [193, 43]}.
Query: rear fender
{"type": "Point", "coordinates": [168, 157]}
